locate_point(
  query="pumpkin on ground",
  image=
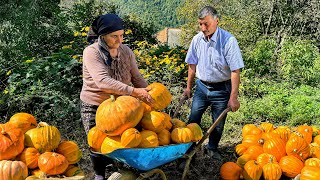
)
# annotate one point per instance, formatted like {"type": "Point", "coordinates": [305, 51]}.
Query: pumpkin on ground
{"type": "Point", "coordinates": [252, 170]}
{"type": "Point", "coordinates": [30, 157]}
{"type": "Point", "coordinates": [131, 138]}
{"type": "Point", "coordinates": [44, 138]}
{"type": "Point", "coordinates": [23, 121]}
{"type": "Point", "coordinates": [13, 170]}
{"type": "Point", "coordinates": [70, 150]}
{"type": "Point", "coordinates": [230, 171]}
{"type": "Point", "coordinates": [291, 166]}
{"type": "Point", "coordinates": [161, 96]}
{"type": "Point", "coordinates": [298, 147]}
{"type": "Point", "coordinates": [272, 171]}
{"type": "Point", "coordinates": [52, 163]}
{"type": "Point", "coordinates": [11, 141]}
{"type": "Point", "coordinates": [276, 147]}
{"type": "Point", "coordinates": [115, 115]}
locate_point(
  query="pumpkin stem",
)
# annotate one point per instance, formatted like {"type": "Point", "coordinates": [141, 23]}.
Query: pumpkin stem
{"type": "Point", "coordinates": [113, 98]}
{"type": "Point", "coordinates": [42, 124]}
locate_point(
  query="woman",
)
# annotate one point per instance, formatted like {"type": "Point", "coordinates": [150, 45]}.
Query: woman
{"type": "Point", "coordinates": [109, 67]}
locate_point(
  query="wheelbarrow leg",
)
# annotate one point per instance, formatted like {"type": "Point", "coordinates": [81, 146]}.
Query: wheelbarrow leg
{"type": "Point", "coordinates": [152, 172]}
{"type": "Point", "coordinates": [198, 146]}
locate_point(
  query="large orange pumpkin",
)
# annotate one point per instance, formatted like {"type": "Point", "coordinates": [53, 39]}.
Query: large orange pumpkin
{"type": "Point", "coordinates": [11, 141]}
{"type": "Point", "coordinates": [13, 170]}
{"type": "Point", "coordinates": [70, 150]}
{"type": "Point", "coordinates": [153, 121]}
{"type": "Point", "coordinates": [298, 147]}
{"type": "Point", "coordinates": [115, 115]}
{"type": "Point", "coordinates": [44, 138]}
{"type": "Point", "coordinates": [230, 171]}
{"type": "Point", "coordinates": [276, 147]}
{"type": "Point", "coordinates": [24, 121]}
{"type": "Point", "coordinates": [291, 166]}
{"type": "Point", "coordinates": [95, 138]}
{"type": "Point", "coordinates": [161, 96]}
{"type": "Point", "coordinates": [52, 163]}
{"type": "Point", "coordinates": [131, 138]}
{"type": "Point", "coordinates": [29, 156]}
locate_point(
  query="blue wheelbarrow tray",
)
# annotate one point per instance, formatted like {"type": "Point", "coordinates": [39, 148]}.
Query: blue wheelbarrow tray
{"type": "Point", "coordinates": [145, 159]}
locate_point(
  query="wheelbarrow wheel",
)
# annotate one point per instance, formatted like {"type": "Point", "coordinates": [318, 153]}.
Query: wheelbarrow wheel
{"type": "Point", "coordinates": [123, 175]}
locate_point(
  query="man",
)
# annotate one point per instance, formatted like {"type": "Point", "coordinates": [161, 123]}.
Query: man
{"type": "Point", "coordinates": [213, 57]}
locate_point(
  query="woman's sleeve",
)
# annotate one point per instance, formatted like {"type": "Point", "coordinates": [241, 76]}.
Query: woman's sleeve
{"type": "Point", "coordinates": [136, 78]}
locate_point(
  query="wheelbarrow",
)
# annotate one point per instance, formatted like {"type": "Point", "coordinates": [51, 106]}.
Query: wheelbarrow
{"type": "Point", "coordinates": [148, 159]}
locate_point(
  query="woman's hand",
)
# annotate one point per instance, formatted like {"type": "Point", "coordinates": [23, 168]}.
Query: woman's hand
{"type": "Point", "coordinates": [142, 94]}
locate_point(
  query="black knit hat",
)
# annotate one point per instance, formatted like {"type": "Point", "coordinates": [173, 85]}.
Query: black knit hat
{"type": "Point", "coordinates": [106, 24]}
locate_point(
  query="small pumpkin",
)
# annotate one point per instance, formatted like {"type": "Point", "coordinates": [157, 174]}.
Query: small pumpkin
{"type": "Point", "coordinates": [250, 140]}
{"type": "Point", "coordinates": [310, 173]}
{"type": "Point", "coordinates": [13, 170]}
{"type": "Point", "coordinates": [306, 132]}
{"type": "Point", "coordinates": [291, 166]}
{"type": "Point", "coordinates": [111, 143]}
{"type": "Point", "coordinates": [276, 147]}
{"type": "Point", "coordinates": [73, 170]}
{"type": "Point", "coordinates": [29, 156]}
{"type": "Point", "coordinates": [181, 135]}
{"type": "Point", "coordinates": [44, 138]}
{"type": "Point", "coordinates": [95, 138]}
{"type": "Point", "coordinates": [70, 150]}
{"type": "Point", "coordinates": [177, 123]}
{"type": "Point", "coordinates": [164, 137]}
{"type": "Point", "coordinates": [252, 170]}
{"type": "Point", "coordinates": [312, 162]}
{"type": "Point", "coordinates": [153, 121]}
{"type": "Point", "coordinates": [161, 96]}
{"type": "Point", "coordinates": [149, 139]}
{"type": "Point", "coordinates": [297, 146]}
{"type": "Point", "coordinates": [230, 170]}
{"type": "Point", "coordinates": [131, 138]}
{"type": "Point", "coordinates": [250, 129]}
{"type": "Point", "coordinates": [115, 115]}
{"type": "Point", "coordinates": [23, 121]}
{"type": "Point", "coordinates": [52, 163]}
{"type": "Point", "coordinates": [265, 158]}
{"type": "Point", "coordinates": [11, 141]}
{"type": "Point", "coordinates": [242, 160]}
{"type": "Point", "coordinates": [271, 171]}
{"type": "Point", "coordinates": [196, 131]}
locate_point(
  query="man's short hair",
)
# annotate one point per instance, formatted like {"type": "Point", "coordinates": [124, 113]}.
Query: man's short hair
{"type": "Point", "coordinates": [208, 10]}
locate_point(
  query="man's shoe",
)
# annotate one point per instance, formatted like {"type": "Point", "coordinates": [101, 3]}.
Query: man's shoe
{"type": "Point", "coordinates": [215, 155]}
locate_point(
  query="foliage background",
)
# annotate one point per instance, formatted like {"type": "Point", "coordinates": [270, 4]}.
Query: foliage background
{"type": "Point", "coordinates": [41, 58]}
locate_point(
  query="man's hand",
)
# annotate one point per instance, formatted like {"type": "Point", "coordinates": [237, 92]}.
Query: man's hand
{"type": "Point", "coordinates": [187, 92]}
{"type": "Point", "coordinates": [234, 104]}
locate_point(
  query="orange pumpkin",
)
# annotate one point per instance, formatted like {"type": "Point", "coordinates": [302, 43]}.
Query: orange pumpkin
{"type": "Point", "coordinates": [250, 140]}
{"type": "Point", "coordinates": [131, 138]}
{"type": "Point", "coordinates": [181, 135]}
{"type": "Point", "coordinates": [252, 170]}
{"type": "Point", "coordinates": [13, 170]}
{"type": "Point", "coordinates": [30, 157]}
{"type": "Point", "coordinates": [276, 147]}
{"type": "Point", "coordinates": [164, 137]}
{"type": "Point", "coordinates": [254, 151]}
{"type": "Point", "coordinates": [153, 121]}
{"type": "Point", "coordinates": [146, 107]}
{"type": "Point", "coordinates": [167, 121]}
{"type": "Point", "coordinates": [115, 115]}
{"type": "Point", "coordinates": [196, 131]}
{"type": "Point", "coordinates": [44, 137]}
{"type": "Point", "coordinates": [111, 143]}
{"type": "Point", "coordinates": [310, 173]}
{"type": "Point", "coordinates": [312, 162]}
{"type": "Point", "coordinates": [284, 132]}
{"type": "Point", "coordinates": [24, 121]}
{"type": "Point", "coordinates": [306, 132]}
{"type": "Point", "coordinates": [271, 171]}
{"type": "Point", "coordinates": [230, 171]}
{"type": "Point", "coordinates": [317, 139]}
{"type": "Point", "coordinates": [52, 163]}
{"type": "Point", "coordinates": [11, 141]}
{"type": "Point", "coordinates": [95, 138]}
{"type": "Point", "coordinates": [297, 146]}
{"type": "Point", "coordinates": [242, 160]}
{"type": "Point", "coordinates": [161, 96]}
{"type": "Point", "coordinates": [266, 127]}
{"type": "Point", "coordinates": [291, 166]}
{"type": "Point", "coordinates": [240, 149]}
{"type": "Point", "coordinates": [149, 139]}
{"type": "Point", "coordinates": [314, 150]}
{"type": "Point", "coordinates": [70, 150]}
{"type": "Point", "coordinates": [265, 158]}
{"type": "Point", "coordinates": [250, 129]}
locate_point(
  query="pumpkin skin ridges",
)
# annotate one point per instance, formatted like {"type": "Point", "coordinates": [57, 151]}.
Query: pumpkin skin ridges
{"type": "Point", "coordinates": [12, 170]}
{"type": "Point", "coordinates": [131, 138]}
{"type": "Point", "coordinates": [196, 131]}
{"type": "Point", "coordinates": [252, 170]}
{"type": "Point", "coordinates": [111, 143]}
{"type": "Point", "coordinates": [95, 138]}
{"type": "Point", "coordinates": [271, 171]}
{"type": "Point", "coordinates": [149, 139]}
{"type": "Point", "coordinates": [11, 140]}
{"type": "Point", "coordinates": [312, 162]}
{"type": "Point", "coordinates": [298, 147]}
{"type": "Point", "coordinates": [164, 137]}
{"type": "Point", "coordinates": [153, 121]}
{"type": "Point", "coordinates": [310, 173]}
{"type": "Point", "coordinates": [276, 147]}
{"type": "Point", "coordinates": [52, 163]}
{"type": "Point", "coordinates": [181, 135]}
{"type": "Point", "coordinates": [291, 166]}
{"type": "Point", "coordinates": [29, 156]}
{"type": "Point", "coordinates": [70, 150]}
{"type": "Point", "coordinates": [114, 116]}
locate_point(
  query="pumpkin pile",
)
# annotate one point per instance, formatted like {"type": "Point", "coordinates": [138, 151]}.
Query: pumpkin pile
{"type": "Point", "coordinates": [126, 122]}
{"type": "Point", "coordinates": [28, 147]}
{"type": "Point", "coordinates": [271, 152]}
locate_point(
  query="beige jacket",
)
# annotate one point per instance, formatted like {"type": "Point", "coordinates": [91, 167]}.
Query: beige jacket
{"type": "Point", "coordinates": [98, 83]}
